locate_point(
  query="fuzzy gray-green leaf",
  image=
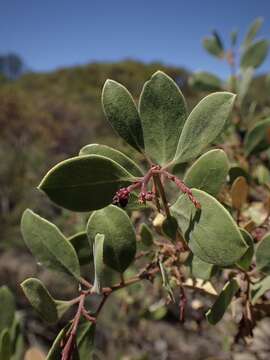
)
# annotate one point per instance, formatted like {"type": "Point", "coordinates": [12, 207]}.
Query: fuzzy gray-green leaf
{"type": "Point", "coordinates": [120, 241]}
{"type": "Point", "coordinates": [210, 232]}
{"type": "Point", "coordinates": [256, 138]}
{"type": "Point", "coordinates": [213, 45]}
{"type": "Point", "coordinates": [262, 253]}
{"type": "Point", "coordinates": [7, 302]}
{"type": "Point", "coordinates": [255, 54]}
{"type": "Point", "coordinates": [163, 113]}
{"type": "Point", "coordinates": [166, 280]}
{"type": "Point", "coordinates": [85, 340]}
{"type": "Point", "coordinates": [56, 349]}
{"type": "Point", "coordinates": [17, 339]}
{"type": "Point", "coordinates": [40, 299]}
{"type": "Point", "coordinates": [5, 345]}
{"type": "Point", "coordinates": [215, 314]}
{"type": "Point", "coordinates": [252, 31]}
{"type": "Point", "coordinates": [245, 261]}
{"type": "Point", "coordinates": [205, 81]}
{"type": "Point", "coordinates": [204, 124]}
{"type": "Point", "coordinates": [85, 183]}
{"type": "Point", "coordinates": [81, 245]}
{"type": "Point", "coordinates": [199, 269]}
{"type": "Point", "coordinates": [120, 110]}
{"type": "Point", "coordinates": [244, 83]}
{"type": "Point", "coordinates": [45, 305]}
{"type": "Point", "coordinates": [48, 244]}
{"type": "Point", "coordinates": [146, 235]}
{"type": "Point", "coordinates": [260, 288]}
{"type": "Point", "coordinates": [169, 227]}
{"type": "Point", "coordinates": [113, 154]}
{"type": "Point", "coordinates": [209, 172]}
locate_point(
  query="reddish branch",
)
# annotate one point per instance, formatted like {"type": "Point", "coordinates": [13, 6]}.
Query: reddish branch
{"type": "Point", "coordinates": [182, 304]}
{"type": "Point", "coordinates": [70, 344]}
{"type": "Point", "coordinates": [148, 273]}
{"type": "Point", "coordinates": [157, 175]}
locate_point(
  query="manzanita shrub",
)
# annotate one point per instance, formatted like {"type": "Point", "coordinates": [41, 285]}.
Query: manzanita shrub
{"type": "Point", "coordinates": [194, 231]}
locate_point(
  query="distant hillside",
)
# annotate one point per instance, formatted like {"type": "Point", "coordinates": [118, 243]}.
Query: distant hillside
{"type": "Point", "coordinates": [73, 94]}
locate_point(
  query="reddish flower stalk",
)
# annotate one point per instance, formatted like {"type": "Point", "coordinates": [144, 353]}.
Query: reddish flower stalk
{"type": "Point", "coordinates": [122, 196]}
{"type": "Point", "coordinates": [182, 186]}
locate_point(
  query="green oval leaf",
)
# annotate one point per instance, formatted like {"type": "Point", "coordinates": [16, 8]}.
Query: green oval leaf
{"type": "Point", "coordinates": [245, 261]}
{"type": "Point", "coordinates": [256, 138]}
{"type": "Point", "coordinates": [85, 183]}
{"type": "Point", "coordinates": [209, 172]}
{"type": "Point", "coordinates": [17, 339]}
{"type": "Point", "coordinates": [166, 280]}
{"type": "Point", "coordinates": [5, 345]}
{"type": "Point", "coordinates": [120, 240]}
{"type": "Point", "coordinates": [7, 302]}
{"type": "Point", "coordinates": [163, 112]}
{"type": "Point", "coordinates": [262, 174]}
{"type": "Point", "coordinates": [205, 81]}
{"type": "Point", "coordinates": [45, 305]}
{"type": "Point", "coordinates": [169, 227]}
{"type": "Point", "coordinates": [85, 340]}
{"type": "Point", "coordinates": [115, 155]}
{"type": "Point", "coordinates": [48, 244]}
{"type": "Point", "coordinates": [40, 299]}
{"type": "Point", "coordinates": [199, 269]}
{"type": "Point", "coordinates": [215, 314]}
{"type": "Point", "coordinates": [213, 45]}
{"type": "Point", "coordinates": [146, 235]}
{"type": "Point", "coordinates": [260, 288]}
{"type": "Point", "coordinates": [244, 83]}
{"type": "Point", "coordinates": [255, 54]}
{"type": "Point", "coordinates": [262, 253]}
{"type": "Point", "coordinates": [204, 124]}
{"type": "Point", "coordinates": [56, 349]}
{"type": "Point", "coordinates": [210, 232]}
{"type": "Point", "coordinates": [81, 245]}
{"type": "Point", "coordinates": [252, 31]}
{"type": "Point", "coordinates": [120, 110]}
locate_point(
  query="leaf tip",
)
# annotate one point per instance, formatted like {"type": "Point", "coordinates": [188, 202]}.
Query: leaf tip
{"type": "Point", "coordinates": [26, 214]}
{"type": "Point", "coordinates": [158, 73]}
{"type": "Point", "coordinates": [109, 83]}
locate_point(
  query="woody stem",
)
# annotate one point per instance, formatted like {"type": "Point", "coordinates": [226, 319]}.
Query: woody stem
{"type": "Point", "coordinates": [162, 194]}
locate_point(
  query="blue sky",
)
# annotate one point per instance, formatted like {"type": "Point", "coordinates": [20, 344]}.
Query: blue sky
{"type": "Point", "coordinates": [50, 34]}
